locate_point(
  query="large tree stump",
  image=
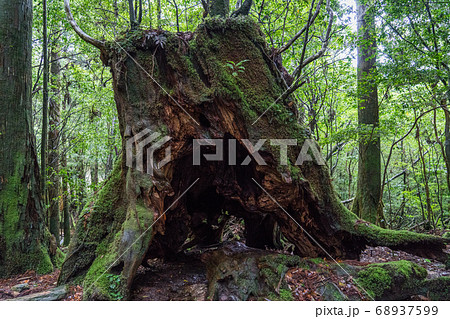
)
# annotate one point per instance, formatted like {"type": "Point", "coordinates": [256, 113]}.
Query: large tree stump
{"type": "Point", "coordinates": [179, 85]}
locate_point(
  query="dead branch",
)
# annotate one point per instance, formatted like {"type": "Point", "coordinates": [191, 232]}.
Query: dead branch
{"type": "Point", "coordinates": [97, 43]}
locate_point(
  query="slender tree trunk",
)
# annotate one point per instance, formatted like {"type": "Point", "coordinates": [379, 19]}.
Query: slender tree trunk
{"type": "Point", "coordinates": [22, 242]}
{"type": "Point", "coordinates": [158, 23]}
{"type": "Point", "coordinates": [445, 147]}
{"type": "Point", "coordinates": [44, 104]}
{"type": "Point", "coordinates": [368, 194]}
{"type": "Point", "coordinates": [419, 187]}
{"type": "Point", "coordinates": [94, 173]}
{"type": "Point", "coordinates": [110, 158]}
{"type": "Point", "coordinates": [53, 148]}
{"type": "Point", "coordinates": [430, 215]}
{"type": "Point", "coordinates": [140, 13]}
{"type": "Point", "coordinates": [150, 13]}
{"type": "Point", "coordinates": [132, 13]}
{"type": "Point", "coordinates": [66, 211]}
{"type": "Point", "coordinates": [177, 15]}
{"type": "Point", "coordinates": [65, 183]}
{"type": "Point", "coordinates": [81, 185]}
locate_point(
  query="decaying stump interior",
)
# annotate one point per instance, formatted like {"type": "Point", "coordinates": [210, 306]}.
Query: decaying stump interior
{"type": "Point", "coordinates": [160, 82]}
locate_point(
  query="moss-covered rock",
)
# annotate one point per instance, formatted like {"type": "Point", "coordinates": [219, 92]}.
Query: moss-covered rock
{"type": "Point", "coordinates": [437, 289]}
{"type": "Point", "coordinates": [395, 280]}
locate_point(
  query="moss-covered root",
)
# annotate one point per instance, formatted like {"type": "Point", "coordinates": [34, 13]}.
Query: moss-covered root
{"type": "Point", "coordinates": [118, 257]}
{"type": "Point", "coordinates": [415, 243]}
{"type": "Point", "coordinates": [365, 233]}
{"type": "Point", "coordinates": [112, 272]}
{"type": "Point", "coordinates": [396, 280]}
{"type": "Point", "coordinates": [237, 272]}
{"type": "Point", "coordinates": [111, 240]}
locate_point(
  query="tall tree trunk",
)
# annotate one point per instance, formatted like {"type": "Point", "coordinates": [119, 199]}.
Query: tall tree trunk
{"type": "Point", "coordinates": [132, 14]}
{"type": "Point", "coordinates": [44, 104]}
{"type": "Point", "coordinates": [65, 183]}
{"type": "Point", "coordinates": [22, 242]}
{"type": "Point", "coordinates": [368, 192]}
{"type": "Point", "coordinates": [66, 210]}
{"type": "Point", "coordinates": [53, 148]}
{"type": "Point", "coordinates": [94, 173]}
{"type": "Point", "coordinates": [445, 147]}
{"type": "Point", "coordinates": [81, 183]}
{"type": "Point", "coordinates": [158, 17]}
{"type": "Point", "coordinates": [110, 158]}
{"type": "Point", "coordinates": [430, 215]}
{"type": "Point", "coordinates": [150, 13]}
{"type": "Point", "coordinates": [137, 214]}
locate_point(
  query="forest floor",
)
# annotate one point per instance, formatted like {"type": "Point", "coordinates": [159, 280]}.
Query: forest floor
{"type": "Point", "coordinates": [186, 279]}
{"type": "Point", "coordinates": [30, 283]}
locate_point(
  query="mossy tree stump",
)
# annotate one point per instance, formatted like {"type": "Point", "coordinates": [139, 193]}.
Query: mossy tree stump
{"type": "Point", "coordinates": [184, 89]}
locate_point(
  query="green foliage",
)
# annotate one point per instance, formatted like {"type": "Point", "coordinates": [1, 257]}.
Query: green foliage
{"type": "Point", "coordinates": [114, 287]}
{"type": "Point", "coordinates": [236, 68]}
{"type": "Point", "coordinates": [284, 295]}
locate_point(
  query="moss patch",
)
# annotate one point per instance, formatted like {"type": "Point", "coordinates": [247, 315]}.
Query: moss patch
{"type": "Point", "coordinates": [389, 279]}
{"type": "Point", "coordinates": [22, 242]}
{"type": "Point", "coordinates": [437, 289]}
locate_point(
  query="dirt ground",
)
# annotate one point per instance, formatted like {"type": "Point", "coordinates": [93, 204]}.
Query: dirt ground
{"type": "Point", "coordinates": [186, 279]}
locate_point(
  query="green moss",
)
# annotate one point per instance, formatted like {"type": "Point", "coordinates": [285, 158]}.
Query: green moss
{"type": "Point", "coordinates": [392, 238]}
{"type": "Point", "coordinates": [58, 259]}
{"type": "Point", "coordinates": [317, 261]}
{"type": "Point", "coordinates": [284, 295]}
{"type": "Point", "coordinates": [12, 196]}
{"type": "Point", "coordinates": [99, 222]}
{"type": "Point", "coordinates": [375, 280]}
{"type": "Point", "coordinates": [381, 279]}
{"type": "Point", "coordinates": [115, 249]}
{"type": "Point", "coordinates": [96, 282]}
{"type": "Point", "coordinates": [437, 289]}
{"type": "Point", "coordinates": [20, 249]}
{"type": "Point", "coordinates": [255, 88]}
{"type": "Point", "coordinates": [45, 265]}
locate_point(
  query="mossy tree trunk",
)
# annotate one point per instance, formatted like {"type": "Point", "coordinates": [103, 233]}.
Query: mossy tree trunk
{"type": "Point", "coordinates": [367, 198]}
{"type": "Point", "coordinates": [22, 245]}
{"type": "Point", "coordinates": [45, 102]}
{"type": "Point", "coordinates": [185, 90]}
{"type": "Point", "coordinates": [219, 8]}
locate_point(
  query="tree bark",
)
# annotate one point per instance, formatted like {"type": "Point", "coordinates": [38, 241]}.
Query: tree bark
{"type": "Point", "coordinates": [44, 104]}
{"type": "Point", "coordinates": [430, 214]}
{"type": "Point", "coordinates": [65, 183]}
{"type": "Point", "coordinates": [53, 149]}
{"type": "Point", "coordinates": [22, 242]}
{"type": "Point", "coordinates": [137, 214]}
{"type": "Point", "coordinates": [368, 193]}
{"type": "Point", "coordinates": [132, 14]}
